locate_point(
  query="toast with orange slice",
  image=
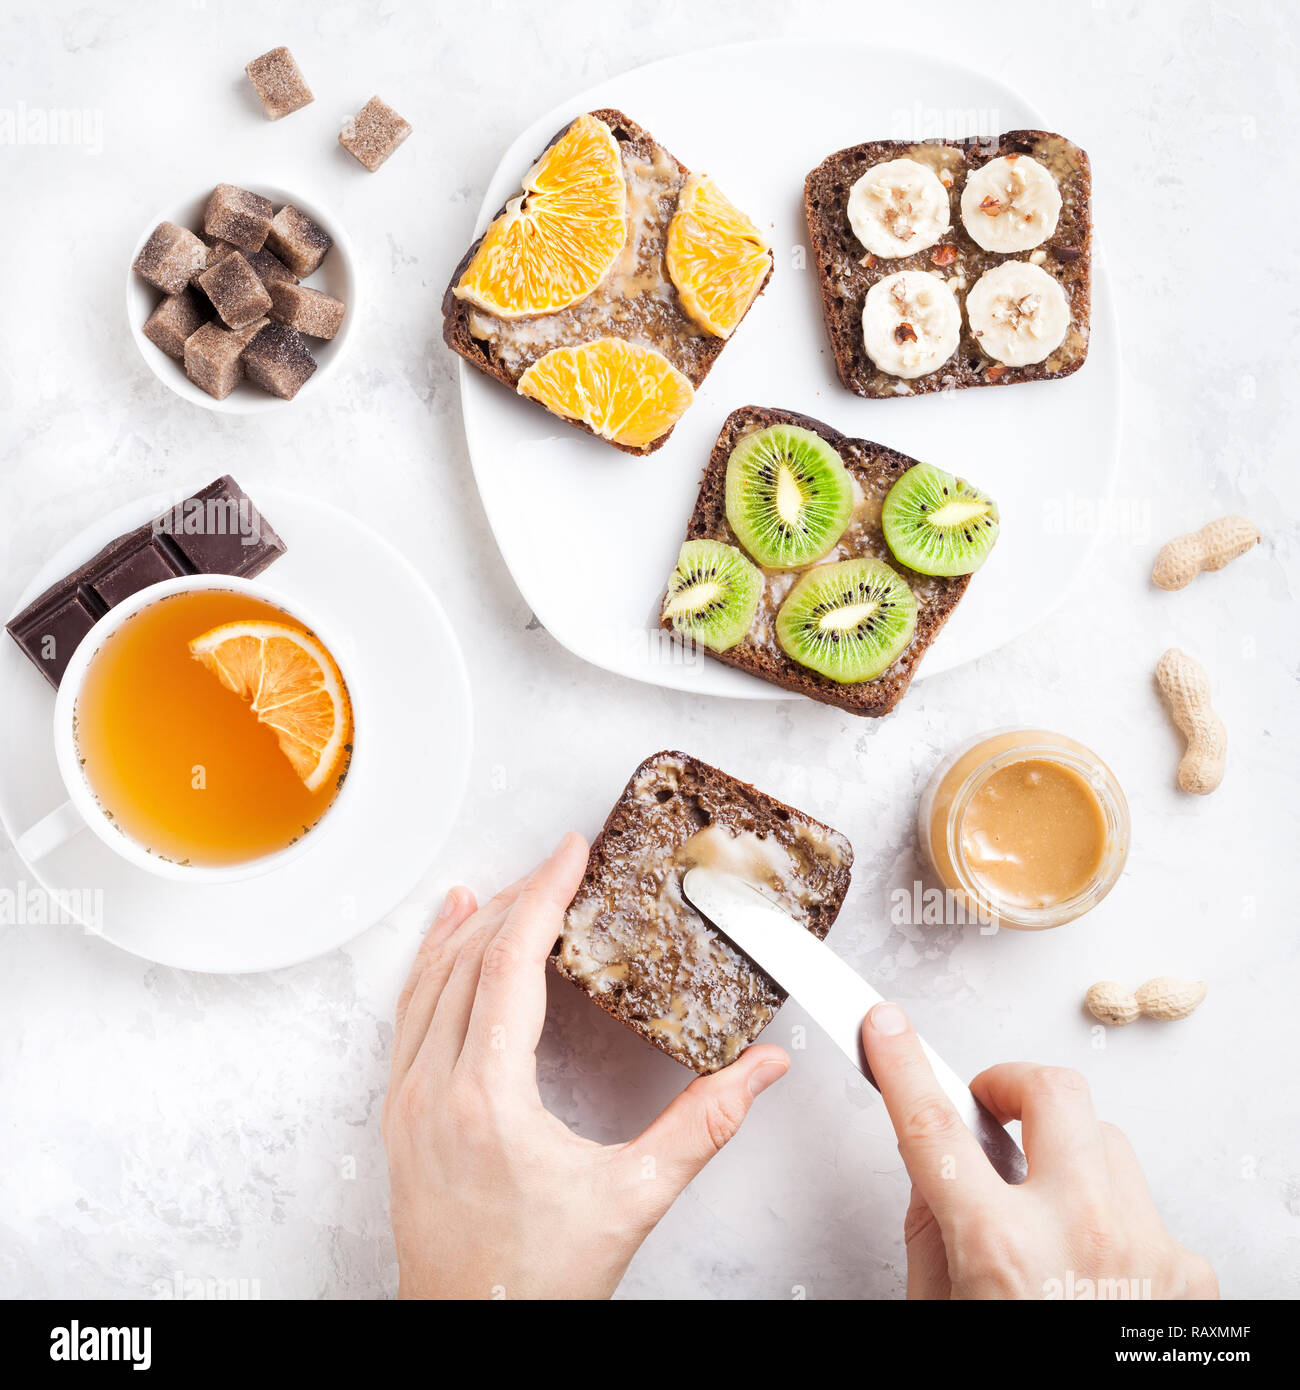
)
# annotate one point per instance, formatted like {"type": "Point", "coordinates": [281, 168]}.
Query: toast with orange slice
{"type": "Point", "coordinates": [607, 288]}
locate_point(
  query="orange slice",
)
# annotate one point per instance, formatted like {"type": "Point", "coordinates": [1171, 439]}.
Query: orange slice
{"type": "Point", "coordinates": [293, 686]}
{"type": "Point", "coordinates": [556, 242]}
{"type": "Point", "coordinates": [716, 257]}
{"type": "Point", "coordinates": [627, 394]}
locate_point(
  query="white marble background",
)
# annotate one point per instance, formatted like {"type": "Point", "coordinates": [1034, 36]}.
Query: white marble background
{"type": "Point", "coordinates": [156, 1122]}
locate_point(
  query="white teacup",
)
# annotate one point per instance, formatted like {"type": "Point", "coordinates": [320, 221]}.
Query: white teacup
{"type": "Point", "coordinates": [82, 808]}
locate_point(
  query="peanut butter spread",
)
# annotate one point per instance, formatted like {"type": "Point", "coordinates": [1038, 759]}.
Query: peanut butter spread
{"type": "Point", "coordinates": [634, 942]}
{"type": "Point", "coordinates": [1034, 834]}
{"type": "Point", "coordinates": [636, 300]}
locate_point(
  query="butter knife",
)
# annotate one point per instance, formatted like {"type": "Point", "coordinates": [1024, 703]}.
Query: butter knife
{"type": "Point", "coordinates": [832, 992]}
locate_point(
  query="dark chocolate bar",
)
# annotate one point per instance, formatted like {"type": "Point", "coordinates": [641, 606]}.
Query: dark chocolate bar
{"type": "Point", "coordinates": [217, 531]}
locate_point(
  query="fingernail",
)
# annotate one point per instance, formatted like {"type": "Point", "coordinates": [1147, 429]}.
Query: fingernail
{"type": "Point", "coordinates": [565, 841]}
{"type": "Point", "coordinates": [888, 1019]}
{"type": "Point", "coordinates": [448, 905]}
{"type": "Point", "coordinates": [762, 1077]}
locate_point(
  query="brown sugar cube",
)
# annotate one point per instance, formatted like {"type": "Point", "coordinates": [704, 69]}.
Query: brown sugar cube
{"type": "Point", "coordinates": [217, 250]}
{"type": "Point", "coordinates": [270, 268]}
{"type": "Point", "coordinates": [278, 83]}
{"type": "Point", "coordinates": [298, 241]}
{"type": "Point", "coordinates": [277, 360]}
{"type": "Point", "coordinates": [309, 311]}
{"type": "Point", "coordinates": [235, 290]}
{"type": "Point", "coordinates": [172, 322]}
{"type": "Point", "coordinates": [212, 357]}
{"type": "Point", "coordinates": [373, 133]}
{"type": "Point", "coordinates": [238, 216]}
{"type": "Point", "coordinates": [170, 256]}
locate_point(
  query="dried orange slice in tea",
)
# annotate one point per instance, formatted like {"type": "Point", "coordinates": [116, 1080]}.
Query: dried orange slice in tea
{"type": "Point", "coordinates": [625, 393]}
{"type": "Point", "coordinates": [292, 685]}
{"type": "Point", "coordinates": [557, 241]}
{"type": "Point", "coordinates": [716, 256]}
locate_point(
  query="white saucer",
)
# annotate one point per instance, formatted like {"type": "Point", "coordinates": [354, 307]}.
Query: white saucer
{"type": "Point", "coordinates": [590, 535]}
{"type": "Point", "coordinates": [387, 832]}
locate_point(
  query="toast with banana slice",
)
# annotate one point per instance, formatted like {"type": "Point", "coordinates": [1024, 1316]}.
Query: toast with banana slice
{"type": "Point", "coordinates": [952, 263]}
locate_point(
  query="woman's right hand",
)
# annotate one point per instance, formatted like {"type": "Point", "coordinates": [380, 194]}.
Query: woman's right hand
{"type": "Point", "coordinates": [1082, 1225]}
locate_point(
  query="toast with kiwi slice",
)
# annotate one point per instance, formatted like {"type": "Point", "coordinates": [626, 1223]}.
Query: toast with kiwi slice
{"type": "Point", "coordinates": [825, 586]}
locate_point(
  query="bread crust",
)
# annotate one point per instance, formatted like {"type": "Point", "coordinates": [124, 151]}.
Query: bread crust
{"type": "Point", "coordinates": [456, 312]}
{"type": "Point", "coordinates": [701, 795]}
{"type": "Point", "coordinates": [876, 469]}
{"type": "Point", "coordinates": [845, 272]}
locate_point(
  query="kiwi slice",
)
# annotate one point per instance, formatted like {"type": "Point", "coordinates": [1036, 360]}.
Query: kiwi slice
{"type": "Point", "coordinates": [937, 524]}
{"type": "Point", "coordinates": [789, 496]}
{"type": "Point", "coordinates": [847, 621]}
{"type": "Point", "coordinates": [713, 594]}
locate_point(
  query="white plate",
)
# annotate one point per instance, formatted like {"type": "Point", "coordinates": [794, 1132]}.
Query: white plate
{"type": "Point", "coordinates": [337, 276]}
{"type": "Point", "coordinates": [388, 829]}
{"type": "Point", "coordinates": [591, 534]}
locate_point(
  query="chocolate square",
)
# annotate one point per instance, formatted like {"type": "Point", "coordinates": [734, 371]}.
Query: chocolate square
{"type": "Point", "coordinates": [50, 637]}
{"type": "Point", "coordinates": [135, 570]}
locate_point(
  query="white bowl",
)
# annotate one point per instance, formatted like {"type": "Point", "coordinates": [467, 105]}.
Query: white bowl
{"type": "Point", "coordinates": [337, 276]}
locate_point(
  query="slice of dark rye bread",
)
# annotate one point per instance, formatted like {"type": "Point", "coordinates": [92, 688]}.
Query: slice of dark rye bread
{"type": "Point", "coordinates": [642, 952]}
{"type": "Point", "coordinates": [875, 469]}
{"type": "Point", "coordinates": [847, 272]}
{"type": "Point", "coordinates": [657, 318]}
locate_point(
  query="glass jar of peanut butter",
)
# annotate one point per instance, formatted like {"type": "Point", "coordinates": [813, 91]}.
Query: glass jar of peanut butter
{"type": "Point", "coordinates": [1028, 828]}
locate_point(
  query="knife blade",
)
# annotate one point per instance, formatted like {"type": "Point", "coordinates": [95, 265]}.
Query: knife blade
{"type": "Point", "coordinates": [834, 994]}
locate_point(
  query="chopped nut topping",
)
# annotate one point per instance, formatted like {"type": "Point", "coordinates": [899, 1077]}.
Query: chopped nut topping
{"type": "Point", "coordinates": [896, 216]}
{"type": "Point", "coordinates": [943, 255]}
{"type": "Point", "coordinates": [990, 207]}
{"type": "Point", "coordinates": [905, 333]}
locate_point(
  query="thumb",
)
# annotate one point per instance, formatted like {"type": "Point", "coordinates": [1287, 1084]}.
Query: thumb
{"type": "Point", "coordinates": [700, 1121]}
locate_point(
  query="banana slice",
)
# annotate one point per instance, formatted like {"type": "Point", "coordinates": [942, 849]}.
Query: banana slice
{"type": "Point", "coordinates": [1017, 313]}
{"type": "Point", "coordinates": [898, 207]}
{"type": "Point", "coordinates": [1010, 204]}
{"type": "Point", "coordinates": [910, 323]}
